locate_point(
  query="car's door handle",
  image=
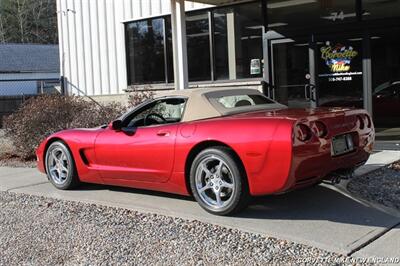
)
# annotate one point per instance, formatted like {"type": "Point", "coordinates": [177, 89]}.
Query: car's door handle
{"type": "Point", "coordinates": [163, 133]}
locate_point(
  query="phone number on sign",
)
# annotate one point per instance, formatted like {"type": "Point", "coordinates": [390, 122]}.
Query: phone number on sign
{"type": "Point", "coordinates": [333, 79]}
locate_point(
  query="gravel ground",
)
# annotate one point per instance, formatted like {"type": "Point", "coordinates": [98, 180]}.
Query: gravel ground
{"type": "Point", "coordinates": [381, 186]}
{"type": "Point", "coordinates": [43, 231]}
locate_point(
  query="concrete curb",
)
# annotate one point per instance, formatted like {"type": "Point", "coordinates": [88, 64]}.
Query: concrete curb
{"type": "Point", "coordinates": [375, 162]}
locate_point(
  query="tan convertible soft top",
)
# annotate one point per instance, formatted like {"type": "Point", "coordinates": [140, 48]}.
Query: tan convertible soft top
{"type": "Point", "coordinates": [200, 105]}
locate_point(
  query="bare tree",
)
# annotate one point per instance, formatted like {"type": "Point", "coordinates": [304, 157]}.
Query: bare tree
{"type": "Point", "coordinates": [28, 21]}
{"type": "Point", "coordinates": [39, 8]}
{"type": "Point", "coordinates": [2, 31]}
{"type": "Point", "coordinates": [21, 15]}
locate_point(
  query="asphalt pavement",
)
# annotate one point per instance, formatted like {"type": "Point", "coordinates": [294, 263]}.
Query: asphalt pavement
{"type": "Point", "coordinates": [324, 216]}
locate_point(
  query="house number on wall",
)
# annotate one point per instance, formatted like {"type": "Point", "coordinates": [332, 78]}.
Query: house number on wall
{"type": "Point", "coordinates": [338, 15]}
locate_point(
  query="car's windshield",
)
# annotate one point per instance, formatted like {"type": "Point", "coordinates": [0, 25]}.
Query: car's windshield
{"type": "Point", "coordinates": [170, 109]}
{"type": "Point", "coordinates": [161, 111]}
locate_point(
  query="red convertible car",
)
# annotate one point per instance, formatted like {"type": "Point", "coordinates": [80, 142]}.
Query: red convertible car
{"type": "Point", "coordinates": [219, 145]}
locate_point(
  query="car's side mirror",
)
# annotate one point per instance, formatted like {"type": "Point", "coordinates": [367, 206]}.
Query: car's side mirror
{"type": "Point", "coordinates": [130, 131]}
{"type": "Point", "coordinates": [116, 124]}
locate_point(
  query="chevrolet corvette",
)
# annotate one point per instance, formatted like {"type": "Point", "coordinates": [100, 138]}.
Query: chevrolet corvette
{"type": "Point", "coordinates": [222, 146]}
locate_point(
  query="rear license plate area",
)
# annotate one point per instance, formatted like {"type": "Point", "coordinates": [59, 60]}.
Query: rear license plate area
{"type": "Point", "coordinates": [342, 144]}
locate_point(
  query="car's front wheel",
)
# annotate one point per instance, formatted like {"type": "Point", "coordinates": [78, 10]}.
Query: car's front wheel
{"type": "Point", "coordinates": [218, 181]}
{"type": "Point", "coordinates": [60, 166]}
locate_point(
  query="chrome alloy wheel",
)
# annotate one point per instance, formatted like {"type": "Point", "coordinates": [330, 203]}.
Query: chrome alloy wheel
{"type": "Point", "coordinates": [214, 182]}
{"type": "Point", "coordinates": [58, 166]}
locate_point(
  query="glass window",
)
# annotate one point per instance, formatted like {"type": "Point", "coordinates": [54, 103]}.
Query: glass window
{"type": "Point", "coordinates": [198, 46]}
{"type": "Point", "coordinates": [290, 63]}
{"type": "Point", "coordinates": [237, 37]}
{"type": "Point", "coordinates": [249, 54]}
{"type": "Point", "coordinates": [385, 57]}
{"type": "Point", "coordinates": [224, 67]}
{"type": "Point", "coordinates": [283, 14]}
{"type": "Point", "coordinates": [170, 58]}
{"type": "Point", "coordinates": [238, 41]}
{"type": "Point", "coordinates": [376, 9]}
{"type": "Point", "coordinates": [340, 77]}
{"type": "Point", "coordinates": [145, 51]}
{"type": "Point", "coordinates": [242, 100]}
{"type": "Point", "coordinates": [158, 112]}
{"type": "Point", "coordinates": [169, 109]}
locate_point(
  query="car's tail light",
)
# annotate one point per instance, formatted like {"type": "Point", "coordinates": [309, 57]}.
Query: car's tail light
{"type": "Point", "coordinates": [360, 122]}
{"type": "Point", "coordinates": [302, 132]}
{"type": "Point", "coordinates": [320, 129]}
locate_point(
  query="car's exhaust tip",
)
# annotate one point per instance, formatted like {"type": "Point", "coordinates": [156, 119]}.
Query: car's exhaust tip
{"type": "Point", "coordinates": [337, 176]}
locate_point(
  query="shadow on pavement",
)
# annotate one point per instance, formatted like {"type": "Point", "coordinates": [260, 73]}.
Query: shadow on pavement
{"type": "Point", "coordinates": [99, 187]}
{"type": "Point", "coordinates": [314, 203]}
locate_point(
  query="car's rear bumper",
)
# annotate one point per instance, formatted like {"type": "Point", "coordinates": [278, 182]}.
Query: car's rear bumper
{"type": "Point", "coordinates": [315, 163]}
{"type": "Point", "coordinates": [324, 168]}
{"type": "Point", "coordinates": [310, 163]}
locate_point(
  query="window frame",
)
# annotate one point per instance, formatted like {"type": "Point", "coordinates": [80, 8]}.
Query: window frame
{"type": "Point", "coordinates": [129, 78]}
{"type": "Point", "coordinates": [210, 13]}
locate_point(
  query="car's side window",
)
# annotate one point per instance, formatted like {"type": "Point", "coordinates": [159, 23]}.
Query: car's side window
{"type": "Point", "coordinates": [163, 111]}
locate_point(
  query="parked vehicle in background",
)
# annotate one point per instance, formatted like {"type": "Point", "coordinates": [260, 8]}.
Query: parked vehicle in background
{"type": "Point", "coordinates": [385, 102]}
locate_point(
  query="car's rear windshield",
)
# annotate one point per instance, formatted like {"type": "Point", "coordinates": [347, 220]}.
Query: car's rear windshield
{"type": "Point", "coordinates": [242, 100]}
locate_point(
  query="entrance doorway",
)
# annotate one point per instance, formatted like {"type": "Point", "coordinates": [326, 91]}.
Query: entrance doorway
{"type": "Point", "coordinates": [293, 71]}
{"type": "Point", "coordinates": [336, 53]}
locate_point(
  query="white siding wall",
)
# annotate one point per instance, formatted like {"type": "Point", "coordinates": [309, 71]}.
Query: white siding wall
{"type": "Point", "coordinates": [92, 41]}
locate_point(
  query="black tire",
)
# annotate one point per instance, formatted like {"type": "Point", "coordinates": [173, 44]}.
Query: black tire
{"type": "Point", "coordinates": [67, 179]}
{"type": "Point", "coordinates": [237, 194]}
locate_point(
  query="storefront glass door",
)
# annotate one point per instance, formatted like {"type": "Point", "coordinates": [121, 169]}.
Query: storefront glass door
{"type": "Point", "coordinates": [293, 73]}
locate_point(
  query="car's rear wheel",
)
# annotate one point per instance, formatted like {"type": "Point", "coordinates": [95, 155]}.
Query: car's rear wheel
{"type": "Point", "coordinates": [60, 166]}
{"type": "Point", "coordinates": [218, 181]}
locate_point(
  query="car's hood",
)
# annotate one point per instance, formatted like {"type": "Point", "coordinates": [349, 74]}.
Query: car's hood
{"type": "Point", "coordinates": [82, 130]}
{"type": "Point", "coordinates": [78, 134]}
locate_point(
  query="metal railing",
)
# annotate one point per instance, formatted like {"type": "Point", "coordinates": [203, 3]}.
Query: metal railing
{"type": "Point", "coordinates": [13, 93]}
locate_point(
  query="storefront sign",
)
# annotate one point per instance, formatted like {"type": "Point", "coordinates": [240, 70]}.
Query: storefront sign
{"type": "Point", "coordinates": [339, 57]}
{"type": "Point", "coordinates": [340, 72]}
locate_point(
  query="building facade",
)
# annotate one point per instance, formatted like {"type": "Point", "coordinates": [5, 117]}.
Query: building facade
{"type": "Point", "coordinates": [92, 41]}
{"type": "Point", "coordinates": [302, 53]}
